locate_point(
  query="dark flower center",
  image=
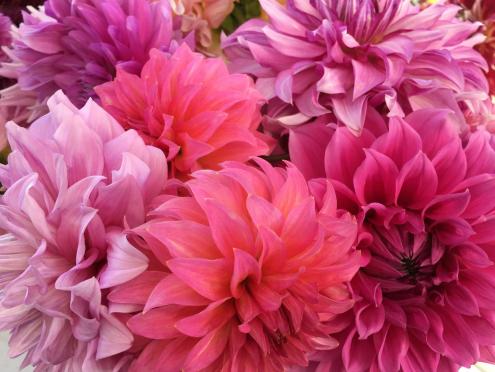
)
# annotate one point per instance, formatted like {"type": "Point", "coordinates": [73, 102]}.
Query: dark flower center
{"type": "Point", "coordinates": [279, 338]}
{"type": "Point", "coordinates": [408, 253]}
{"type": "Point", "coordinates": [411, 268]}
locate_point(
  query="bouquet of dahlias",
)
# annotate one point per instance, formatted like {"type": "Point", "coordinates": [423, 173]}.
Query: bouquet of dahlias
{"type": "Point", "coordinates": [242, 185]}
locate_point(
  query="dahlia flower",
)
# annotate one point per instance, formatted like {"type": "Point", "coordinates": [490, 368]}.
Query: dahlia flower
{"type": "Point", "coordinates": [76, 45]}
{"type": "Point", "coordinates": [262, 266]}
{"type": "Point", "coordinates": [202, 16]}
{"type": "Point", "coordinates": [191, 107]}
{"type": "Point", "coordinates": [341, 57]}
{"type": "Point", "coordinates": [74, 182]}
{"type": "Point", "coordinates": [426, 211]}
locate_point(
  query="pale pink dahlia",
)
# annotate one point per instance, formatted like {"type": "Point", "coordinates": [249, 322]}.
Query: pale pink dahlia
{"type": "Point", "coordinates": [341, 57]}
{"type": "Point", "coordinates": [191, 107]}
{"type": "Point", "coordinates": [76, 45]}
{"type": "Point", "coordinates": [424, 201]}
{"type": "Point", "coordinates": [74, 182]}
{"type": "Point", "coordinates": [247, 270]}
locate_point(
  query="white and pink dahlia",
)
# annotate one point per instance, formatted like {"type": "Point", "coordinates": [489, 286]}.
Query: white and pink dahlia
{"type": "Point", "coordinates": [247, 270]}
{"type": "Point", "coordinates": [425, 205]}
{"type": "Point", "coordinates": [340, 57]}
{"type": "Point", "coordinates": [74, 183]}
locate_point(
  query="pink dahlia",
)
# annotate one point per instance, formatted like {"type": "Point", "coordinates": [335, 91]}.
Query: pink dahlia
{"type": "Point", "coordinates": [191, 107]}
{"type": "Point", "coordinates": [341, 57]}
{"type": "Point", "coordinates": [247, 270]}
{"type": "Point", "coordinates": [425, 205]}
{"type": "Point", "coordinates": [76, 45]}
{"type": "Point", "coordinates": [74, 182]}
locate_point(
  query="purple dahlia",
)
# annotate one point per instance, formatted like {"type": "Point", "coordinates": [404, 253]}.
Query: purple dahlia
{"type": "Point", "coordinates": [316, 57]}
{"type": "Point", "coordinates": [75, 45]}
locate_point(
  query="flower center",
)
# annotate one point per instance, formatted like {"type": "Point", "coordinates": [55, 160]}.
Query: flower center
{"type": "Point", "coordinates": [408, 254]}
{"type": "Point", "coordinates": [278, 338]}
{"type": "Point", "coordinates": [411, 268]}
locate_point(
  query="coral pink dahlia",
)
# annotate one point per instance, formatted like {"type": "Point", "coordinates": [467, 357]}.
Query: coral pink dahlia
{"type": "Point", "coordinates": [248, 268]}
{"type": "Point", "coordinates": [340, 56]}
{"type": "Point", "coordinates": [424, 199]}
{"type": "Point", "coordinates": [74, 182]}
{"type": "Point", "coordinates": [191, 107]}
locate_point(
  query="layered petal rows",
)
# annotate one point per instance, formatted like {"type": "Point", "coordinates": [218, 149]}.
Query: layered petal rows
{"type": "Point", "coordinates": [179, 105]}
{"type": "Point", "coordinates": [76, 45]}
{"type": "Point", "coordinates": [422, 199]}
{"type": "Point", "coordinates": [63, 234]}
{"type": "Point", "coordinates": [247, 270]}
{"type": "Point", "coordinates": [339, 57]}
{"type": "Point", "coordinates": [187, 187]}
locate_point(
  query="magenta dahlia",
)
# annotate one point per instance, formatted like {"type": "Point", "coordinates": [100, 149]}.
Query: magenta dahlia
{"type": "Point", "coordinates": [425, 205]}
{"type": "Point", "coordinates": [74, 183]}
{"type": "Point", "coordinates": [76, 45]}
{"type": "Point", "coordinates": [247, 270]}
{"type": "Point", "coordinates": [341, 57]}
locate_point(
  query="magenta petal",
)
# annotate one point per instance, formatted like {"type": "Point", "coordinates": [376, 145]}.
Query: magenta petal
{"type": "Point", "coordinates": [369, 320]}
{"type": "Point", "coordinates": [461, 298]}
{"type": "Point", "coordinates": [478, 188]}
{"type": "Point", "coordinates": [480, 155]}
{"type": "Point", "coordinates": [401, 143]}
{"type": "Point", "coordinates": [364, 349]}
{"type": "Point", "coordinates": [393, 348]}
{"type": "Point", "coordinates": [374, 180]}
{"type": "Point", "coordinates": [344, 154]}
{"type": "Point", "coordinates": [447, 206]}
{"type": "Point", "coordinates": [307, 144]}
{"type": "Point", "coordinates": [417, 182]}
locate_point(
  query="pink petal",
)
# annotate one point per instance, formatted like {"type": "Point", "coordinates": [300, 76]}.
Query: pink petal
{"type": "Point", "coordinates": [210, 278]}
{"type": "Point", "coordinates": [172, 291]}
{"type": "Point", "coordinates": [245, 268]}
{"type": "Point", "coordinates": [208, 349]}
{"type": "Point", "coordinates": [374, 180]}
{"type": "Point", "coordinates": [214, 316]}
